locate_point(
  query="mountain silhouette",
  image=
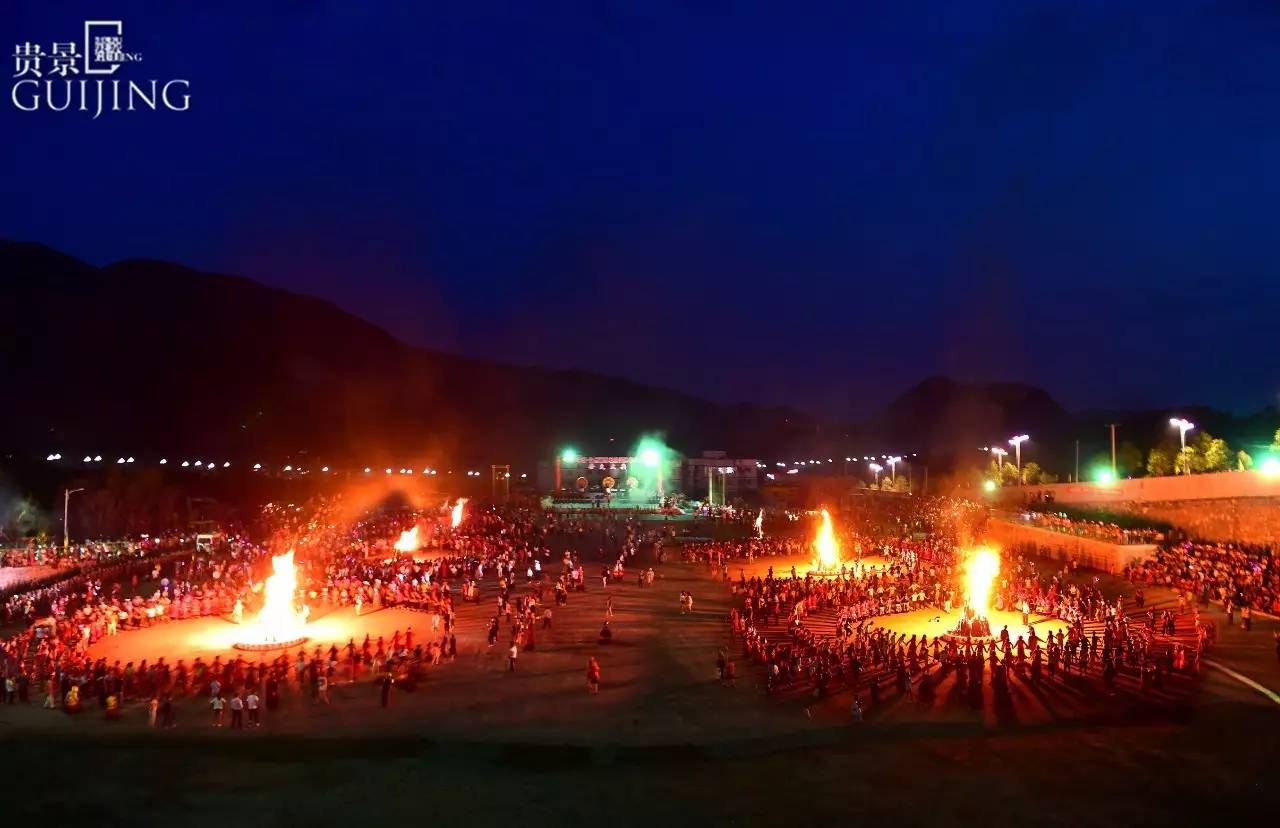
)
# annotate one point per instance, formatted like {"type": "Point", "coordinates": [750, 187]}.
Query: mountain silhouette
{"type": "Point", "coordinates": [148, 357]}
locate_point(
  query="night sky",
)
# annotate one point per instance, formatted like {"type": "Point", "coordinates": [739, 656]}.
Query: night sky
{"type": "Point", "coordinates": [749, 201]}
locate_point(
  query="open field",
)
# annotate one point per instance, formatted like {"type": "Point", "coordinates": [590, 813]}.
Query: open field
{"type": "Point", "coordinates": [663, 743]}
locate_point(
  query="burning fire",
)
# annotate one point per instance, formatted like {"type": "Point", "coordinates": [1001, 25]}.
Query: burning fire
{"type": "Point", "coordinates": [760, 524]}
{"type": "Point", "coordinates": [980, 572]}
{"type": "Point", "coordinates": [828, 550]}
{"type": "Point", "coordinates": [409, 541]}
{"type": "Point", "coordinates": [456, 519]}
{"type": "Point", "coordinates": [280, 619]}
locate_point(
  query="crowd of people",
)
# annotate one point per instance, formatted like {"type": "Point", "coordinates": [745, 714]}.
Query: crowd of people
{"type": "Point", "coordinates": [341, 563]}
{"type": "Point", "coordinates": [1102, 530]}
{"type": "Point", "coordinates": [900, 555]}
{"type": "Point", "coordinates": [1243, 578]}
{"type": "Point", "coordinates": [919, 570]}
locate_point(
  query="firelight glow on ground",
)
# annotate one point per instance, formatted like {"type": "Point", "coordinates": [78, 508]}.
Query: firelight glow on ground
{"type": "Point", "coordinates": [933, 622]}
{"type": "Point", "coordinates": [280, 618]}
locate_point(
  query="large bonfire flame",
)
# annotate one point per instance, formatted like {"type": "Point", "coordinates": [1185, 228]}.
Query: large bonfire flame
{"type": "Point", "coordinates": [760, 524]}
{"type": "Point", "coordinates": [456, 519]}
{"type": "Point", "coordinates": [980, 572]}
{"type": "Point", "coordinates": [280, 620]}
{"type": "Point", "coordinates": [825, 545]}
{"type": "Point", "coordinates": [409, 541]}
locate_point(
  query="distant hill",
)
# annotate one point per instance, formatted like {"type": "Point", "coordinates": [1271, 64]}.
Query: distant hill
{"type": "Point", "coordinates": [144, 356]}
{"type": "Point", "coordinates": [150, 357]}
{"type": "Point", "coordinates": [945, 416]}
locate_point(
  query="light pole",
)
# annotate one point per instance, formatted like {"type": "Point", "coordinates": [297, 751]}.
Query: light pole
{"type": "Point", "coordinates": [1000, 455]}
{"type": "Point", "coordinates": [1017, 442]}
{"type": "Point", "coordinates": [893, 467]}
{"type": "Point", "coordinates": [565, 458]}
{"type": "Point", "coordinates": [66, 529]}
{"type": "Point", "coordinates": [1183, 427]}
{"type": "Point", "coordinates": [651, 458]}
{"type": "Point", "coordinates": [877, 468]}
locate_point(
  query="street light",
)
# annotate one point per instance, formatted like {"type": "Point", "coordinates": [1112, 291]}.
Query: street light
{"type": "Point", "coordinates": [877, 468]}
{"type": "Point", "coordinates": [1017, 442]}
{"type": "Point", "coordinates": [893, 467]}
{"type": "Point", "coordinates": [1000, 455]}
{"type": "Point", "coordinates": [1183, 427]}
{"type": "Point", "coordinates": [66, 531]}
{"type": "Point", "coordinates": [567, 457]}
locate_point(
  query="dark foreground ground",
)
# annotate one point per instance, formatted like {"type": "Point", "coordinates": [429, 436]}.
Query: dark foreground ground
{"type": "Point", "coordinates": [1220, 768]}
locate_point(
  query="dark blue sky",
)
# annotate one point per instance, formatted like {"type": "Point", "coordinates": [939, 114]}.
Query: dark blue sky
{"type": "Point", "coordinates": [743, 200]}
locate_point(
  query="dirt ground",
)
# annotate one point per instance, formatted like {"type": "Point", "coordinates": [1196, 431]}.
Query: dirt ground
{"type": "Point", "coordinates": [663, 743]}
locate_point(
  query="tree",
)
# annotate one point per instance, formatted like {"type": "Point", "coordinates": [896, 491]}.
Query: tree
{"type": "Point", "coordinates": [1275, 441]}
{"type": "Point", "coordinates": [1187, 461]}
{"type": "Point", "coordinates": [1128, 459]}
{"type": "Point", "coordinates": [24, 518]}
{"type": "Point", "coordinates": [1159, 463]}
{"type": "Point", "coordinates": [1217, 455]}
{"type": "Point", "coordinates": [1031, 473]}
{"type": "Point", "coordinates": [1243, 461]}
{"type": "Point", "coordinates": [1208, 454]}
{"type": "Point", "coordinates": [1008, 475]}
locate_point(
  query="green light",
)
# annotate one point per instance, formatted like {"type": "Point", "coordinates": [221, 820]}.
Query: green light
{"type": "Point", "coordinates": [569, 456]}
{"type": "Point", "coordinates": [1104, 476]}
{"type": "Point", "coordinates": [650, 457]}
{"type": "Point", "coordinates": [988, 485]}
{"type": "Point", "coordinates": [1270, 466]}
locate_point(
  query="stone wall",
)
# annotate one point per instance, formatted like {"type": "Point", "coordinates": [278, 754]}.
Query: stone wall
{"type": "Point", "coordinates": [1245, 520]}
{"type": "Point", "coordinates": [1216, 486]}
{"type": "Point", "coordinates": [1225, 506]}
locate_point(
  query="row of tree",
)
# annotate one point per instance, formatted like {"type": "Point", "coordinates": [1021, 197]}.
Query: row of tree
{"type": "Point", "coordinates": [901, 483]}
{"type": "Point", "coordinates": [1007, 474]}
{"type": "Point", "coordinates": [1203, 453]}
